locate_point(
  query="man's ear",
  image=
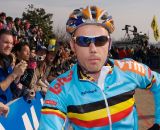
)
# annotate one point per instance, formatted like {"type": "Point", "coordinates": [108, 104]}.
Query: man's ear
{"type": "Point", "coordinates": [72, 45]}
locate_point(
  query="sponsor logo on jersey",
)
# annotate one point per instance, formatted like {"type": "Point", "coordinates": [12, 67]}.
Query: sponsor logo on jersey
{"type": "Point", "coordinates": [132, 66]}
{"type": "Point", "coordinates": [60, 82]}
{"type": "Point", "coordinates": [89, 92]}
{"type": "Point", "coordinates": [50, 102]}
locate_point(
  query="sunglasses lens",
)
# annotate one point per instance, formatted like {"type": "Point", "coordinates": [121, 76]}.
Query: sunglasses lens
{"type": "Point", "coordinates": [85, 41]}
{"type": "Point", "coordinates": [101, 40]}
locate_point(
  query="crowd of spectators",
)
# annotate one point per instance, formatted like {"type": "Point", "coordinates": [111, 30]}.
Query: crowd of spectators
{"type": "Point", "coordinates": [22, 30]}
{"type": "Point", "coordinates": [148, 55]}
{"type": "Point", "coordinates": [27, 65]}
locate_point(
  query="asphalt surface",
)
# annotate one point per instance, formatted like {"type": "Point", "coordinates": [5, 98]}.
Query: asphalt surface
{"type": "Point", "coordinates": [145, 107]}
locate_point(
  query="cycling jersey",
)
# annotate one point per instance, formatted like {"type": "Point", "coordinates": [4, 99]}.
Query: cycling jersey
{"type": "Point", "coordinates": [106, 104]}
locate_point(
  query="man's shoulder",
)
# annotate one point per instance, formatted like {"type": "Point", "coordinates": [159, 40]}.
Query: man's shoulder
{"type": "Point", "coordinates": [124, 59]}
{"type": "Point", "coordinates": [59, 84]}
{"type": "Point", "coordinates": [64, 79]}
{"type": "Point", "coordinates": [130, 65]}
{"type": "Point", "coordinates": [67, 73]}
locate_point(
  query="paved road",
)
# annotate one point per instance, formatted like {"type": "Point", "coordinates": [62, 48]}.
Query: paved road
{"type": "Point", "coordinates": [145, 106]}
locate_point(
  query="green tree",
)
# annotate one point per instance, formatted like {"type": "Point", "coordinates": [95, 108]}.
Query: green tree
{"type": "Point", "coordinates": [39, 17]}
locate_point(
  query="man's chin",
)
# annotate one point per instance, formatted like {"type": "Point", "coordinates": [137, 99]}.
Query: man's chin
{"type": "Point", "coordinates": [93, 71]}
{"type": "Point", "coordinates": [7, 53]}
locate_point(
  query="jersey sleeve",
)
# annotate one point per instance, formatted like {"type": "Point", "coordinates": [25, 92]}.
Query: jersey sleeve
{"type": "Point", "coordinates": [53, 113]}
{"type": "Point", "coordinates": [151, 81]}
{"type": "Point", "coordinates": [144, 78]}
{"type": "Point", "coordinates": [156, 94]}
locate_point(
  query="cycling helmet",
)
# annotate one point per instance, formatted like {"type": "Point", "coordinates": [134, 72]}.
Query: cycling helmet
{"type": "Point", "coordinates": [89, 15]}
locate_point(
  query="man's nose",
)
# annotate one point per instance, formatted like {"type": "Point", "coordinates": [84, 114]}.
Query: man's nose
{"type": "Point", "coordinates": [92, 48]}
{"type": "Point", "coordinates": [10, 45]}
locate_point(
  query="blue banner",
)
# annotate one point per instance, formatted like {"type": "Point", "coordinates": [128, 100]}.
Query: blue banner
{"type": "Point", "coordinates": [23, 115]}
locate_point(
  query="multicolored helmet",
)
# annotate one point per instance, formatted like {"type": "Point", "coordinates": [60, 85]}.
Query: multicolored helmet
{"type": "Point", "coordinates": [89, 15]}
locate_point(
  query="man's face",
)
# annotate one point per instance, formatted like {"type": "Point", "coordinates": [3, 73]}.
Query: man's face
{"type": "Point", "coordinates": [32, 53]}
{"type": "Point", "coordinates": [6, 44]}
{"type": "Point", "coordinates": [27, 25]}
{"type": "Point", "coordinates": [24, 54]}
{"type": "Point", "coordinates": [10, 24]}
{"type": "Point", "coordinates": [92, 58]}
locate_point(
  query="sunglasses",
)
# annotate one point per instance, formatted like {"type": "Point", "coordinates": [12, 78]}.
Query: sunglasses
{"type": "Point", "coordinates": [85, 41]}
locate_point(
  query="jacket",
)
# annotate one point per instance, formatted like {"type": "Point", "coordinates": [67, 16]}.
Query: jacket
{"type": "Point", "coordinates": [107, 104]}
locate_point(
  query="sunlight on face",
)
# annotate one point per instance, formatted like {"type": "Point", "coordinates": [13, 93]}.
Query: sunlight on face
{"type": "Point", "coordinates": [92, 58]}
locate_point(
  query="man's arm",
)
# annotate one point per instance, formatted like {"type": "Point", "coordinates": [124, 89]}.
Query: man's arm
{"type": "Point", "coordinates": [18, 71]}
{"type": "Point", "coordinates": [3, 109]}
{"type": "Point", "coordinates": [5, 83]}
{"type": "Point", "coordinates": [53, 113]}
{"type": "Point", "coordinates": [151, 81]}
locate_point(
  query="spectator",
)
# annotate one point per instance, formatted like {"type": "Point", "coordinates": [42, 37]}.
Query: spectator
{"type": "Point", "coordinates": [41, 52]}
{"type": "Point", "coordinates": [9, 23]}
{"type": "Point", "coordinates": [49, 62]}
{"type": "Point", "coordinates": [22, 52]}
{"type": "Point", "coordinates": [7, 75]}
{"type": "Point", "coordinates": [122, 53]}
{"type": "Point", "coordinates": [3, 17]}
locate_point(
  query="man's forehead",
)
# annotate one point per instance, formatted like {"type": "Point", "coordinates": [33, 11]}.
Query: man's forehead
{"type": "Point", "coordinates": [5, 35]}
{"type": "Point", "coordinates": [6, 38]}
{"type": "Point", "coordinates": [88, 27]}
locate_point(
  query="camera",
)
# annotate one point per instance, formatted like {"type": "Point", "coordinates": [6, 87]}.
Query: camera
{"type": "Point", "coordinates": [39, 58]}
{"type": "Point", "coordinates": [26, 78]}
{"type": "Point", "coordinates": [29, 94]}
{"type": "Point", "coordinates": [126, 27]}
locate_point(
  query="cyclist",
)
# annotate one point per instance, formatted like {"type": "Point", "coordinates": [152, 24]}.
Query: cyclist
{"type": "Point", "coordinates": [98, 92]}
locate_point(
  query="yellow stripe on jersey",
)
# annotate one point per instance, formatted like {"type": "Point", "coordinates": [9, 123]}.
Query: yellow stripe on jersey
{"type": "Point", "coordinates": [102, 113]}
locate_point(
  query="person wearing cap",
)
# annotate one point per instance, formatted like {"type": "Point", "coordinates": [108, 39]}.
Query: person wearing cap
{"type": "Point", "coordinates": [98, 92]}
{"type": "Point", "coordinates": [50, 58]}
{"type": "Point", "coordinates": [51, 51]}
{"type": "Point", "coordinates": [46, 65]}
{"type": "Point", "coordinates": [41, 52]}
